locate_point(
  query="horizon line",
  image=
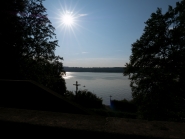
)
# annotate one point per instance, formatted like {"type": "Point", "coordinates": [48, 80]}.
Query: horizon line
{"type": "Point", "coordinates": [93, 67]}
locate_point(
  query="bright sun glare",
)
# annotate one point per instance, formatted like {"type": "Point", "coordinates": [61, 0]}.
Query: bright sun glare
{"type": "Point", "coordinates": [67, 19]}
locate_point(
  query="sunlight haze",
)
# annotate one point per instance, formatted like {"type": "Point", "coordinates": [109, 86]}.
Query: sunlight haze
{"type": "Point", "coordinates": [99, 33]}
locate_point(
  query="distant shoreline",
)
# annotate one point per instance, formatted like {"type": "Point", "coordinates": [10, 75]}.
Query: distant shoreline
{"type": "Point", "coordinates": [95, 69]}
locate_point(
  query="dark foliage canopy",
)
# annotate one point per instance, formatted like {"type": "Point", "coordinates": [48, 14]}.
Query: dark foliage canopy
{"type": "Point", "coordinates": [157, 65]}
{"type": "Point", "coordinates": [28, 43]}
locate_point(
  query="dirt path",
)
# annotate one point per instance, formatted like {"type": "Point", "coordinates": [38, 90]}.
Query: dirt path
{"type": "Point", "coordinates": [99, 124]}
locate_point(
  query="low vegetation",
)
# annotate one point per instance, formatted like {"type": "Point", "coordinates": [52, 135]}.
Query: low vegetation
{"type": "Point", "coordinates": [85, 98]}
{"type": "Point", "coordinates": [124, 105]}
{"type": "Point", "coordinates": [119, 108]}
{"type": "Point", "coordinates": [122, 108]}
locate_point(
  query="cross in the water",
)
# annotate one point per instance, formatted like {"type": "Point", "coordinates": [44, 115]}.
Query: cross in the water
{"type": "Point", "coordinates": [76, 86]}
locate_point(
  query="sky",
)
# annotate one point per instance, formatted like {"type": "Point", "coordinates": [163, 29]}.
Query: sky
{"type": "Point", "coordinates": [99, 33]}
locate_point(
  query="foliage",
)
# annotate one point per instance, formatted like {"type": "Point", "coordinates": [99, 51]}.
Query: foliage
{"type": "Point", "coordinates": [28, 44]}
{"type": "Point", "coordinates": [124, 105]}
{"type": "Point", "coordinates": [10, 37]}
{"type": "Point", "coordinates": [156, 67]}
{"type": "Point", "coordinates": [85, 98]}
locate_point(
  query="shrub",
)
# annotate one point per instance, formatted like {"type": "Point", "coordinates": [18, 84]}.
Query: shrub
{"type": "Point", "coordinates": [85, 98]}
{"type": "Point", "coordinates": [124, 105]}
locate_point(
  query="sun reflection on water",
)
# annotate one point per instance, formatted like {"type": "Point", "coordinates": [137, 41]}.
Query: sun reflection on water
{"type": "Point", "coordinates": [68, 75]}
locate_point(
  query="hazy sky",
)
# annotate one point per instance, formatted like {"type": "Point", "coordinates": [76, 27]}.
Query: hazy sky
{"type": "Point", "coordinates": [101, 31]}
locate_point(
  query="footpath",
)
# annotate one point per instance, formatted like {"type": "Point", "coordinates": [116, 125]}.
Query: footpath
{"type": "Point", "coordinates": [25, 123]}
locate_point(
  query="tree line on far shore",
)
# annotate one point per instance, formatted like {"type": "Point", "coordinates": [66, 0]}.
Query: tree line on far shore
{"type": "Point", "coordinates": [94, 69]}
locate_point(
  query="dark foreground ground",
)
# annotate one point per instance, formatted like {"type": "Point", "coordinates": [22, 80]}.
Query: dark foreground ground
{"type": "Point", "coordinates": [28, 109]}
{"type": "Point", "coordinates": [33, 123]}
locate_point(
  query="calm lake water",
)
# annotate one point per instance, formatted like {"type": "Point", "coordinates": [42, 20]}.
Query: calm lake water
{"type": "Point", "coordinates": [101, 84]}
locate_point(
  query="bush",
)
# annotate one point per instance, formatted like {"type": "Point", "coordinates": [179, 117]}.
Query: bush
{"type": "Point", "coordinates": [69, 95]}
{"type": "Point", "coordinates": [124, 105]}
{"type": "Point", "coordinates": [85, 98]}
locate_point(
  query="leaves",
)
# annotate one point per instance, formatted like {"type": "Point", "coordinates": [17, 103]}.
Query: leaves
{"type": "Point", "coordinates": [157, 62]}
{"type": "Point", "coordinates": [28, 44]}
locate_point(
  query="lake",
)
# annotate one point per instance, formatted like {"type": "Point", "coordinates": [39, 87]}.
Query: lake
{"type": "Point", "coordinates": [101, 84]}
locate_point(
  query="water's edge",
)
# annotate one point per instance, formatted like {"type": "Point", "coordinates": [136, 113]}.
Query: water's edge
{"type": "Point", "coordinates": [102, 84]}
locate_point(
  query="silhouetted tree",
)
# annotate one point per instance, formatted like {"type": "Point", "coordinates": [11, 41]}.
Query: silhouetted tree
{"type": "Point", "coordinates": [40, 41]}
{"type": "Point", "coordinates": [11, 33]}
{"type": "Point", "coordinates": [29, 42]}
{"type": "Point", "coordinates": [157, 65]}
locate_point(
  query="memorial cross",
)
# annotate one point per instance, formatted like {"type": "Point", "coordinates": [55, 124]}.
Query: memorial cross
{"type": "Point", "coordinates": [76, 86]}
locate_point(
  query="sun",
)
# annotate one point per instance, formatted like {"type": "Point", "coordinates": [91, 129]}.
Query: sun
{"type": "Point", "coordinates": [68, 19]}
